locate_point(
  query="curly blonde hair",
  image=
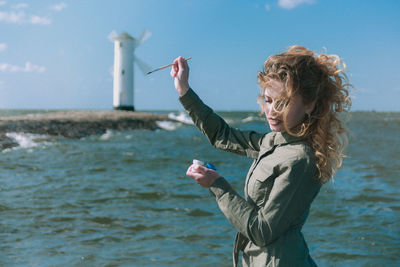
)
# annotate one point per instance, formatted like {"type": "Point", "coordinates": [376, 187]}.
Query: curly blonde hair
{"type": "Point", "coordinates": [319, 80]}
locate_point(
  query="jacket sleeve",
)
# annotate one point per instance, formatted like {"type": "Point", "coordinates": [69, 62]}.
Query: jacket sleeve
{"type": "Point", "coordinates": [291, 196]}
{"type": "Point", "coordinates": [218, 132]}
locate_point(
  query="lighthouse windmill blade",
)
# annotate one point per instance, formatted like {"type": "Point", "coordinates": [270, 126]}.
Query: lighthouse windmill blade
{"type": "Point", "coordinates": [146, 34]}
{"type": "Point", "coordinates": [112, 35]}
{"type": "Point", "coordinates": [145, 68]}
{"type": "Point", "coordinates": [142, 65]}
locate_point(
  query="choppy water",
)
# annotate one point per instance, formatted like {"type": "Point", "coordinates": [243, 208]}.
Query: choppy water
{"type": "Point", "coordinates": [122, 199]}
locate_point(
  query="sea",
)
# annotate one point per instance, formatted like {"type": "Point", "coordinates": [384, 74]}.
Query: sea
{"type": "Point", "coordinates": [123, 199]}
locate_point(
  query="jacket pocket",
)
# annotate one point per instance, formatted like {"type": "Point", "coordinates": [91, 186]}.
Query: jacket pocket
{"type": "Point", "coordinates": [262, 183]}
{"type": "Point", "coordinates": [263, 189]}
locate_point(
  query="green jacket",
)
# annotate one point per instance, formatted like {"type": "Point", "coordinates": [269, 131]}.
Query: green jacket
{"type": "Point", "coordinates": [279, 189]}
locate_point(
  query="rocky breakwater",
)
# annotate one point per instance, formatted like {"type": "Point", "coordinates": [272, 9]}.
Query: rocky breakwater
{"type": "Point", "coordinates": [77, 123]}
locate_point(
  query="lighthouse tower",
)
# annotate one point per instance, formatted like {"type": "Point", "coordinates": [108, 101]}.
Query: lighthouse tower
{"type": "Point", "coordinates": [124, 46]}
{"type": "Point", "coordinates": [124, 58]}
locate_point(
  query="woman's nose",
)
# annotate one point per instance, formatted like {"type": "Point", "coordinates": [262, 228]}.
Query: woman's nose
{"type": "Point", "coordinates": [270, 111]}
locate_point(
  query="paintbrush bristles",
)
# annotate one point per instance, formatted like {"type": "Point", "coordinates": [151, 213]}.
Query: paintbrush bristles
{"type": "Point", "coordinates": [166, 66]}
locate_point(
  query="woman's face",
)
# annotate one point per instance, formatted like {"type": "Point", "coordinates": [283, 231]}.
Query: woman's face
{"type": "Point", "coordinates": [297, 109]}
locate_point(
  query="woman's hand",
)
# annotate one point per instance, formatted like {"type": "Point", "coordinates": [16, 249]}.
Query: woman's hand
{"type": "Point", "coordinates": [180, 73]}
{"type": "Point", "coordinates": [202, 175]}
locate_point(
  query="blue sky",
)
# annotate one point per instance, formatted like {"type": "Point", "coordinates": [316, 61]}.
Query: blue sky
{"type": "Point", "coordinates": [56, 54]}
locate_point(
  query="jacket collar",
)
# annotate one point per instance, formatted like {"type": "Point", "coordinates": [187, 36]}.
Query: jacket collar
{"type": "Point", "coordinates": [274, 139]}
{"type": "Point", "coordinates": [282, 138]}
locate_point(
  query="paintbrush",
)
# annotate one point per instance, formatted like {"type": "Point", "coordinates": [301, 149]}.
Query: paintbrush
{"type": "Point", "coordinates": [164, 67]}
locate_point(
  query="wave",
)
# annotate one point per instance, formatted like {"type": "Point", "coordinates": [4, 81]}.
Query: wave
{"type": "Point", "coordinates": [107, 135]}
{"type": "Point", "coordinates": [182, 117]}
{"type": "Point", "coordinates": [250, 119]}
{"type": "Point", "coordinates": [168, 125]}
{"type": "Point", "coordinates": [27, 140]}
{"type": "Point", "coordinates": [179, 119]}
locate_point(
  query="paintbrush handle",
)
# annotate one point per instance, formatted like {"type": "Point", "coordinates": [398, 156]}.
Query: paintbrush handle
{"type": "Point", "coordinates": [166, 66]}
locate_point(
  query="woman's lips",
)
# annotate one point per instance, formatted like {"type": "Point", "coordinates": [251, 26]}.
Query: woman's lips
{"type": "Point", "coordinates": [274, 122]}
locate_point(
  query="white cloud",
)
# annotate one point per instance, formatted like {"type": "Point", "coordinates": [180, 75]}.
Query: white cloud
{"type": "Point", "coordinates": [289, 4]}
{"type": "Point", "coordinates": [12, 17]}
{"type": "Point", "coordinates": [21, 18]}
{"type": "Point", "coordinates": [59, 6]}
{"type": "Point", "coordinates": [2, 3]}
{"type": "Point", "coordinates": [267, 7]}
{"type": "Point", "coordinates": [3, 47]}
{"type": "Point", "coordinates": [29, 67]}
{"type": "Point", "coordinates": [20, 6]}
{"type": "Point", "coordinates": [39, 20]}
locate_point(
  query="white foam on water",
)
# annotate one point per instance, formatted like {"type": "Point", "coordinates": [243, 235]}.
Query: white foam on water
{"type": "Point", "coordinates": [168, 125]}
{"type": "Point", "coordinates": [182, 117]}
{"type": "Point", "coordinates": [250, 119]}
{"type": "Point", "coordinates": [27, 140]}
{"type": "Point", "coordinates": [107, 135]}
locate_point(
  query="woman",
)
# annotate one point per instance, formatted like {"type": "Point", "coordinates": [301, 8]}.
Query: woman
{"type": "Point", "coordinates": [302, 95]}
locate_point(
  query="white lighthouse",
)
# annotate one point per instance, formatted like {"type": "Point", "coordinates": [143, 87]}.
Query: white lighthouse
{"type": "Point", "coordinates": [124, 48]}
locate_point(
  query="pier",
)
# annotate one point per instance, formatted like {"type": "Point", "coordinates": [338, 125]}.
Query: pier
{"type": "Point", "coordinates": [78, 123]}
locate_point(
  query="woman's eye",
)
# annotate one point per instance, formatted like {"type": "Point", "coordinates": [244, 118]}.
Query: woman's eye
{"type": "Point", "coordinates": [267, 100]}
